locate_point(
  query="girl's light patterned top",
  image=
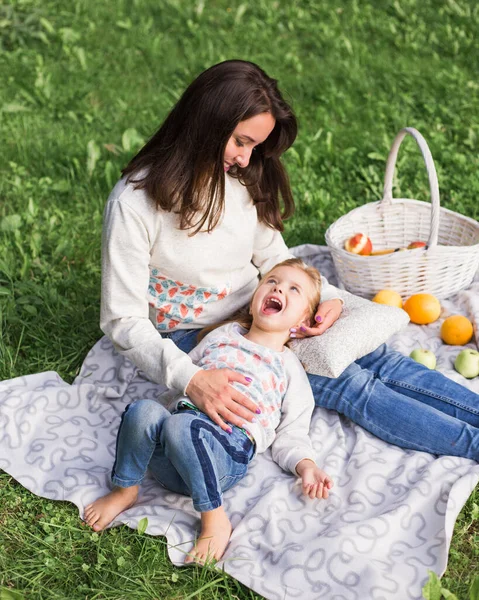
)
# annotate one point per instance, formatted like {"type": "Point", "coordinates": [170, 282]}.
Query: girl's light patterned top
{"type": "Point", "coordinates": [263, 365]}
{"type": "Point", "coordinates": [176, 302]}
{"type": "Point", "coordinates": [279, 387]}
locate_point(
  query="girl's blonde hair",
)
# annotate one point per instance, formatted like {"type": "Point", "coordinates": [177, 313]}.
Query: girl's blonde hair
{"type": "Point", "coordinates": [244, 318]}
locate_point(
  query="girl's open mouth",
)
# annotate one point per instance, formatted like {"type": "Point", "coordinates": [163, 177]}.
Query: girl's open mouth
{"type": "Point", "coordinates": [272, 306]}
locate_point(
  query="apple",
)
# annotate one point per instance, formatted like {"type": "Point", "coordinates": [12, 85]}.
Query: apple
{"type": "Point", "coordinates": [467, 363]}
{"type": "Point", "coordinates": [413, 245]}
{"type": "Point", "coordinates": [359, 244]}
{"type": "Point", "coordinates": [424, 357]}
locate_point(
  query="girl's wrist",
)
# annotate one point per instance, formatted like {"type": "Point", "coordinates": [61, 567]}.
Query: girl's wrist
{"type": "Point", "coordinates": [305, 463]}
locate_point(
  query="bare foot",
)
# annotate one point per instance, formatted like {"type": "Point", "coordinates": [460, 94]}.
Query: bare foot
{"type": "Point", "coordinates": [214, 537]}
{"type": "Point", "coordinates": [101, 513]}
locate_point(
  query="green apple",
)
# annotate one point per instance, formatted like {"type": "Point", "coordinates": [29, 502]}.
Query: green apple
{"type": "Point", "coordinates": [467, 363]}
{"type": "Point", "coordinates": [424, 357]}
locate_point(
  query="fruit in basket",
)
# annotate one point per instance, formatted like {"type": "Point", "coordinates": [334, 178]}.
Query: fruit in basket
{"type": "Point", "coordinates": [422, 308]}
{"type": "Point", "coordinates": [359, 244]}
{"type": "Point", "coordinates": [413, 245]}
{"type": "Point", "coordinates": [381, 252]}
{"type": "Point", "coordinates": [456, 330]}
{"type": "Point", "coordinates": [467, 363]}
{"type": "Point", "coordinates": [389, 297]}
{"type": "Point", "coordinates": [424, 357]}
{"type": "Point", "coordinates": [386, 251]}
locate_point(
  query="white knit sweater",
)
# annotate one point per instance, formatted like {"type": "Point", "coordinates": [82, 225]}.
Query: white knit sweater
{"type": "Point", "coordinates": [156, 277]}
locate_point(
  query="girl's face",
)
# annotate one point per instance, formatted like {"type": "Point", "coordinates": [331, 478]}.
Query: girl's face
{"type": "Point", "coordinates": [281, 300]}
{"type": "Point", "coordinates": [246, 136]}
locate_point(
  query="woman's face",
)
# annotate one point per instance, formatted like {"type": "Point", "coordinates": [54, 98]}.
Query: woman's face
{"type": "Point", "coordinates": [246, 136]}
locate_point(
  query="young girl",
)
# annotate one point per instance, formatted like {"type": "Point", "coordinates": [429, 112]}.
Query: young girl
{"type": "Point", "coordinates": [196, 217]}
{"type": "Point", "coordinates": [190, 454]}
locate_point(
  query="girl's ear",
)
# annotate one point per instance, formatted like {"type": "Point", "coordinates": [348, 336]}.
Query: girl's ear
{"type": "Point", "coordinates": [307, 319]}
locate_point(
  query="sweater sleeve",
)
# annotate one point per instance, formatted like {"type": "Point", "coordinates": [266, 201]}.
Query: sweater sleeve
{"type": "Point", "coordinates": [292, 442]}
{"type": "Point", "coordinates": [269, 248]}
{"type": "Point", "coordinates": [124, 302]}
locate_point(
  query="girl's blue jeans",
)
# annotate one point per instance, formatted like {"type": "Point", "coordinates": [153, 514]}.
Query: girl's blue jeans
{"type": "Point", "coordinates": [398, 400]}
{"type": "Point", "coordinates": [185, 451]}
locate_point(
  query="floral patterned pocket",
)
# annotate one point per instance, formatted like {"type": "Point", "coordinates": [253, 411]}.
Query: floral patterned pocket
{"type": "Point", "coordinates": [176, 302]}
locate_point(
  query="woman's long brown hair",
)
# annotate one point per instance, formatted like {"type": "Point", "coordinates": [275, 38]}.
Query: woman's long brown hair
{"type": "Point", "coordinates": [181, 167]}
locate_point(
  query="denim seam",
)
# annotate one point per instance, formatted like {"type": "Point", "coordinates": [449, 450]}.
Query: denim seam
{"type": "Point", "coordinates": [431, 395]}
{"type": "Point", "coordinates": [206, 506]}
{"type": "Point", "coordinates": [377, 428]}
{"type": "Point", "coordinates": [125, 482]}
{"type": "Point", "coordinates": [238, 476]}
{"type": "Point", "coordinates": [406, 443]}
{"type": "Point", "coordinates": [113, 475]}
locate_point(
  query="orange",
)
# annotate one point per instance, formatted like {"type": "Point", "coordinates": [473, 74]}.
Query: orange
{"type": "Point", "coordinates": [456, 330]}
{"type": "Point", "coordinates": [422, 308]}
{"type": "Point", "coordinates": [389, 297]}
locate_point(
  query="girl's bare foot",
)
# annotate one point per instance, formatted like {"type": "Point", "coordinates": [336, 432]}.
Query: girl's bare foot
{"type": "Point", "coordinates": [214, 537]}
{"type": "Point", "coordinates": [101, 513]}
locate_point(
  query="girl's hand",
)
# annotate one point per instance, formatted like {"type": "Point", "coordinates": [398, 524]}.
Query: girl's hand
{"type": "Point", "coordinates": [212, 393]}
{"type": "Point", "coordinates": [328, 312]}
{"type": "Point", "coordinates": [316, 483]}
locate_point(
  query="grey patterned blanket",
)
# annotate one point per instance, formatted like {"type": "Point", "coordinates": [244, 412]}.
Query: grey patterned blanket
{"type": "Point", "coordinates": [388, 521]}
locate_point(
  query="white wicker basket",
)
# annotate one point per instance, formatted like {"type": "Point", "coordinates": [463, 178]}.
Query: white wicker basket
{"type": "Point", "coordinates": [448, 263]}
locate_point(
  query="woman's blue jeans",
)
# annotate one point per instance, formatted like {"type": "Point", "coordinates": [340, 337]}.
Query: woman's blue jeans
{"type": "Point", "coordinates": [398, 400]}
{"type": "Point", "coordinates": [185, 451]}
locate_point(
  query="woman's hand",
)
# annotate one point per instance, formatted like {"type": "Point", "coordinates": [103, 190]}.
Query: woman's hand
{"type": "Point", "coordinates": [316, 483]}
{"type": "Point", "coordinates": [328, 312]}
{"type": "Point", "coordinates": [212, 393]}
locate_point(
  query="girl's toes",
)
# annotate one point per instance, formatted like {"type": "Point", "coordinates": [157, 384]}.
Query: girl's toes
{"type": "Point", "coordinates": [92, 519]}
{"type": "Point", "coordinates": [89, 513]}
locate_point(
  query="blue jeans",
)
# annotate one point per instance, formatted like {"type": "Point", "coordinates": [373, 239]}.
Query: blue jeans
{"type": "Point", "coordinates": [404, 403]}
{"type": "Point", "coordinates": [185, 451]}
{"type": "Point", "coordinates": [398, 400]}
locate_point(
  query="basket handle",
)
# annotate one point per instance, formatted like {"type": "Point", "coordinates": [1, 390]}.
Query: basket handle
{"type": "Point", "coordinates": [431, 171]}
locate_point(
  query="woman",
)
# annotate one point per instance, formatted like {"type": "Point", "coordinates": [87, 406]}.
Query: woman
{"type": "Point", "coordinates": [195, 219]}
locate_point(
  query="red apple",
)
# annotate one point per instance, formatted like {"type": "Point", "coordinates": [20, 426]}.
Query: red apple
{"type": "Point", "coordinates": [413, 245]}
{"type": "Point", "coordinates": [359, 244]}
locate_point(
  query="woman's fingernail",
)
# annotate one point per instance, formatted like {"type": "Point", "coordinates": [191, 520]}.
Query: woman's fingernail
{"type": "Point", "coordinates": [318, 319]}
{"type": "Point", "coordinates": [248, 379]}
{"type": "Point", "coordinates": [293, 335]}
{"type": "Point", "coordinates": [229, 430]}
{"type": "Point", "coordinates": [293, 330]}
{"type": "Point", "coordinates": [254, 420]}
{"type": "Point", "coordinates": [258, 411]}
{"type": "Point", "coordinates": [303, 328]}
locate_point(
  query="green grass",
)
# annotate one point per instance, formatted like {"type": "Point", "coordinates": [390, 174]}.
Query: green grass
{"type": "Point", "coordinates": [84, 82]}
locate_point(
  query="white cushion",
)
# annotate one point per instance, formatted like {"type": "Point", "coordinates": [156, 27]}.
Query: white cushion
{"type": "Point", "coordinates": [362, 327]}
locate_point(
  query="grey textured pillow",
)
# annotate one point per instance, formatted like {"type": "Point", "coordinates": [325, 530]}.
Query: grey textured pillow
{"type": "Point", "coordinates": [362, 327]}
